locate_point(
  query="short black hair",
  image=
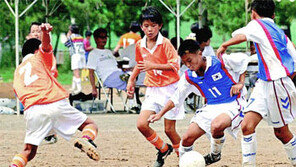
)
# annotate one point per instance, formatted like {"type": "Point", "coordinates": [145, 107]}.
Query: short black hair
{"type": "Point", "coordinates": [194, 27]}
{"type": "Point", "coordinates": [98, 31]}
{"type": "Point", "coordinates": [188, 46]}
{"type": "Point", "coordinates": [135, 26]}
{"type": "Point", "coordinates": [174, 42]}
{"type": "Point", "coordinates": [152, 14]}
{"type": "Point", "coordinates": [165, 33]}
{"type": "Point", "coordinates": [34, 23]}
{"type": "Point", "coordinates": [203, 34]}
{"type": "Point", "coordinates": [88, 33]}
{"type": "Point", "coordinates": [30, 46]}
{"type": "Point", "coordinates": [264, 8]}
{"type": "Point", "coordinates": [74, 29]}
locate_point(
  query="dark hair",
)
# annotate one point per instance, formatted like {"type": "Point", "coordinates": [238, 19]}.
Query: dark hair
{"type": "Point", "coordinates": [174, 42]}
{"type": "Point", "coordinates": [98, 31]}
{"type": "Point", "coordinates": [194, 27]}
{"type": "Point", "coordinates": [34, 23]}
{"type": "Point", "coordinates": [134, 27]}
{"type": "Point", "coordinates": [165, 33]}
{"type": "Point", "coordinates": [188, 46]}
{"type": "Point", "coordinates": [74, 29]}
{"type": "Point", "coordinates": [88, 33]}
{"type": "Point", "coordinates": [30, 46]}
{"type": "Point", "coordinates": [203, 35]}
{"type": "Point", "coordinates": [152, 14]}
{"type": "Point", "coordinates": [264, 8]}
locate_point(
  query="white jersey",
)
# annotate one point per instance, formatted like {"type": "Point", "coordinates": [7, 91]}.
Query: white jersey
{"type": "Point", "coordinates": [103, 61]}
{"type": "Point", "coordinates": [269, 42]}
{"type": "Point", "coordinates": [235, 63]}
{"type": "Point", "coordinates": [75, 44]}
{"type": "Point", "coordinates": [208, 51]}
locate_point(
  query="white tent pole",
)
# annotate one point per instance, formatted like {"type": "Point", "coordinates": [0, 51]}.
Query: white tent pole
{"type": "Point", "coordinates": [178, 23]}
{"type": "Point", "coordinates": [27, 8]}
{"type": "Point", "coordinates": [191, 3]}
{"type": "Point", "coordinates": [168, 7]}
{"type": "Point", "coordinates": [17, 46]}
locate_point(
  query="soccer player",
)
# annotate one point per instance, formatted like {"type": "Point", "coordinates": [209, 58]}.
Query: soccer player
{"type": "Point", "coordinates": [221, 82]}
{"type": "Point", "coordinates": [46, 104]}
{"type": "Point", "coordinates": [274, 96]}
{"type": "Point", "coordinates": [157, 56]}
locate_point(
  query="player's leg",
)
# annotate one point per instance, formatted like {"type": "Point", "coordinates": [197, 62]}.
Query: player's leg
{"type": "Point", "coordinates": [218, 125]}
{"type": "Point", "coordinates": [289, 140]}
{"type": "Point", "coordinates": [249, 142]}
{"type": "Point", "coordinates": [86, 142]}
{"type": "Point", "coordinates": [193, 133]}
{"type": "Point", "coordinates": [20, 160]}
{"type": "Point", "coordinates": [76, 82]}
{"type": "Point", "coordinates": [170, 131]}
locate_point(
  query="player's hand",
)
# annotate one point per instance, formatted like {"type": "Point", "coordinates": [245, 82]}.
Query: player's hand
{"type": "Point", "coordinates": [94, 93]}
{"type": "Point", "coordinates": [145, 65]}
{"type": "Point", "coordinates": [154, 117]}
{"type": "Point", "coordinates": [235, 89]}
{"type": "Point", "coordinates": [130, 89]}
{"type": "Point", "coordinates": [46, 27]}
{"type": "Point", "coordinates": [221, 50]}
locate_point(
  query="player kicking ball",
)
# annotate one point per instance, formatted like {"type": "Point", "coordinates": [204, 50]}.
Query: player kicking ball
{"type": "Point", "coordinates": [46, 105]}
{"type": "Point", "coordinates": [221, 82]}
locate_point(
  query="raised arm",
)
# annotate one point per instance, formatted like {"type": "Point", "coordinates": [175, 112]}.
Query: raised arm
{"type": "Point", "coordinates": [45, 38]}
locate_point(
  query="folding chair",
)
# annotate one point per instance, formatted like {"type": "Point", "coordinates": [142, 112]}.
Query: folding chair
{"type": "Point", "coordinates": [108, 94]}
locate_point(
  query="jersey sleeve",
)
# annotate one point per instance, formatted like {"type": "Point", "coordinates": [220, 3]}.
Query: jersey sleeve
{"type": "Point", "coordinates": [291, 51]}
{"type": "Point", "coordinates": [183, 90]}
{"type": "Point", "coordinates": [172, 56]}
{"type": "Point", "coordinates": [237, 62]}
{"type": "Point", "coordinates": [92, 59]}
{"type": "Point", "coordinates": [138, 52]}
{"type": "Point", "coordinates": [252, 31]}
{"type": "Point", "coordinates": [120, 42]}
{"type": "Point", "coordinates": [47, 57]}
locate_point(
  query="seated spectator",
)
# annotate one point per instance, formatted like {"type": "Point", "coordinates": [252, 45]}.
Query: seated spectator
{"type": "Point", "coordinates": [104, 63]}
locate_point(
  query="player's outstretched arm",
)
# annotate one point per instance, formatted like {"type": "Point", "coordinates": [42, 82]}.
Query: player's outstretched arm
{"type": "Point", "coordinates": [155, 117]}
{"type": "Point", "coordinates": [45, 38]}
{"type": "Point", "coordinates": [233, 41]}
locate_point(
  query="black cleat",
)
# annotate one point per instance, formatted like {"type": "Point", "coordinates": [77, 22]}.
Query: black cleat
{"type": "Point", "coordinates": [212, 158]}
{"type": "Point", "coordinates": [162, 156]}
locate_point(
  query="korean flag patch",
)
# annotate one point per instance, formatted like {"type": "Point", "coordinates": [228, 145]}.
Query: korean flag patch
{"type": "Point", "coordinates": [217, 76]}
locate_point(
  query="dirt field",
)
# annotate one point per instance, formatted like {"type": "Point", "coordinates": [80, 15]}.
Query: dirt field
{"type": "Point", "coordinates": [121, 145]}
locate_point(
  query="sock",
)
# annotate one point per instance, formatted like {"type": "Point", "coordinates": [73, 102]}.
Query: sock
{"type": "Point", "coordinates": [183, 149]}
{"type": "Point", "coordinates": [157, 142]}
{"type": "Point", "coordinates": [73, 87]}
{"type": "Point", "coordinates": [130, 103]}
{"type": "Point", "coordinates": [77, 82]}
{"type": "Point", "coordinates": [290, 148]}
{"type": "Point", "coordinates": [249, 147]}
{"type": "Point", "coordinates": [217, 144]}
{"type": "Point", "coordinates": [176, 148]}
{"type": "Point", "coordinates": [19, 160]}
{"type": "Point", "coordinates": [89, 132]}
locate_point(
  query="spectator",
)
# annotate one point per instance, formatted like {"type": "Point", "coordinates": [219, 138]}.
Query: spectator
{"type": "Point", "coordinates": [35, 31]}
{"type": "Point", "coordinates": [174, 42]}
{"type": "Point", "coordinates": [128, 38]}
{"type": "Point", "coordinates": [77, 52]}
{"type": "Point", "coordinates": [203, 37]}
{"type": "Point", "coordinates": [87, 45]}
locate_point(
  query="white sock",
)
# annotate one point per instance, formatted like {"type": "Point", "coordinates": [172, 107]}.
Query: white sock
{"type": "Point", "coordinates": [183, 149]}
{"type": "Point", "coordinates": [73, 84]}
{"type": "Point", "coordinates": [249, 148]}
{"type": "Point", "coordinates": [217, 144]}
{"type": "Point", "coordinates": [78, 84]}
{"type": "Point", "coordinates": [290, 148]}
{"type": "Point", "coordinates": [130, 103]}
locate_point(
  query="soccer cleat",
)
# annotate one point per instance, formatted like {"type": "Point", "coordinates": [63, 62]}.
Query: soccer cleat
{"type": "Point", "coordinates": [51, 139]}
{"type": "Point", "coordinates": [87, 146]}
{"type": "Point", "coordinates": [212, 158]}
{"type": "Point", "coordinates": [162, 156]}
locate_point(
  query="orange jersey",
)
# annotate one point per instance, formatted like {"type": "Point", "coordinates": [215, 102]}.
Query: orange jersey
{"type": "Point", "coordinates": [164, 53]}
{"type": "Point", "coordinates": [34, 82]}
{"type": "Point", "coordinates": [129, 39]}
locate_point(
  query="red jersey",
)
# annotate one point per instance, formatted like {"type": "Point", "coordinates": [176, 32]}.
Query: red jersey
{"type": "Point", "coordinates": [163, 53]}
{"type": "Point", "coordinates": [34, 83]}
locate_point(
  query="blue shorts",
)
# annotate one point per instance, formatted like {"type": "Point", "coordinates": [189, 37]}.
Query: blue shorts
{"type": "Point", "coordinates": [114, 81]}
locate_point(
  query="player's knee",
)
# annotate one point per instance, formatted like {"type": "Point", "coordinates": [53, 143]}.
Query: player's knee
{"type": "Point", "coordinates": [282, 134]}
{"type": "Point", "coordinates": [142, 126]}
{"type": "Point", "coordinates": [216, 127]}
{"type": "Point", "coordinates": [169, 130]}
{"type": "Point", "coordinates": [187, 140]}
{"type": "Point", "coordinates": [247, 128]}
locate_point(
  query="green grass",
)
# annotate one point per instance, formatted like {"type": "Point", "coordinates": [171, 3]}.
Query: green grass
{"type": "Point", "coordinates": [7, 74]}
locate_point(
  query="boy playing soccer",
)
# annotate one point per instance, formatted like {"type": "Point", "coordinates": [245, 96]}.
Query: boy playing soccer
{"type": "Point", "coordinates": [274, 96]}
{"type": "Point", "coordinates": [157, 56]}
{"type": "Point", "coordinates": [46, 104]}
{"type": "Point", "coordinates": [221, 82]}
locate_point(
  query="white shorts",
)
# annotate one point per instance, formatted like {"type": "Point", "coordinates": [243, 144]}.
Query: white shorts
{"type": "Point", "coordinates": [58, 116]}
{"type": "Point", "coordinates": [275, 101]}
{"type": "Point", "coordinates": [157, 97]}
{"type": "Point", "coordinates": [205, 115]}
{"type": "Point", "coordinates": [77, 61]}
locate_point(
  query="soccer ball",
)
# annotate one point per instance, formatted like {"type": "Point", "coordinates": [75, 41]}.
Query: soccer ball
{"type": "Point", "coordinates": [192, 159]}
